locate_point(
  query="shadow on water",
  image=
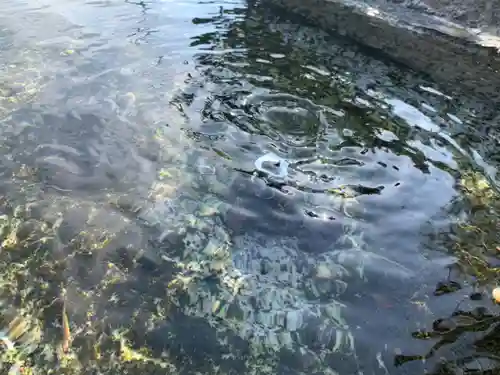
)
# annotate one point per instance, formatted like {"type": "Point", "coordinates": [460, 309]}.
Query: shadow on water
{"type": "Point", "coordinates": [143, 232]}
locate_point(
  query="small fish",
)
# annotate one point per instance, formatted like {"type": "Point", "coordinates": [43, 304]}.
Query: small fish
{"type": "Point", "coordinates": [66, 331]}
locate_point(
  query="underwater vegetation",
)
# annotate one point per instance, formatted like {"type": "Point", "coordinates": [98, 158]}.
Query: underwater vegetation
{"type": "Point", "coordinates": [467, 340]}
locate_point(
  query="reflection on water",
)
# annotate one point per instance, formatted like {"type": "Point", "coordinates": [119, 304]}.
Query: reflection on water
{"type": "Point", "coordinates": [209, 188]}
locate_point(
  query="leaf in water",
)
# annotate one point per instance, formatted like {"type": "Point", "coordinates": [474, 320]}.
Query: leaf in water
{"type": "Point", "coordinates": [198, 20]}
{"type": "Point", "coordinates": [67, 52]}
{"type": "Point", "coordinates": [422, 335]}
{"type": "Point", "coordinates": [17, 328]}
{"type": "Point", "coordinates": [367, 190]}
{"type": "Point", "coordinates": [401, 359]}
{"type": "Point", "coordinates": [446, 287]}
{"type": "Point", "coordinates": [66, 330]}
{"type": "Point", "coordinates": [222, 154]}
{"type": "Point", "coordinates": [163, 173]}
{"type": "Point", "coordinates": [477, 296]}
{"type": "Point", "coordinates": [344, 192]}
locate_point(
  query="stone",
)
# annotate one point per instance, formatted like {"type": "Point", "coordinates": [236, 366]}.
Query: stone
{"type": "Point", "coordinates": [461, 60]}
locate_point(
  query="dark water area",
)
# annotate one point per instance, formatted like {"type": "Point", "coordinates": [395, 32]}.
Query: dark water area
{"type": "Point", "coordinates": [194, 187]}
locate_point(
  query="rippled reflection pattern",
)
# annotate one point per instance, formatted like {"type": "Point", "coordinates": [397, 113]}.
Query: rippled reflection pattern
{"type": "Point", "coordinates": [141, 232]}
{"type": "Point", "coordinates": [366, 169]}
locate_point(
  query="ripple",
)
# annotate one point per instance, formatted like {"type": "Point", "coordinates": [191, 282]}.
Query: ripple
{"type": "Point", "coordinates": [372, 157]}
{"type": "Point", "coordinates": [234, 190]}
{"type": "Point", "coordinates": [295, 121]}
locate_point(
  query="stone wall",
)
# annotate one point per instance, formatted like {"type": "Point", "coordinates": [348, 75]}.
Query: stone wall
{"type": "Point", "coordinates": [484, 14]}
{"type": "Point", "coordinates": [456, 57]}
{"type": "Point", "coordinates": [471, 13]}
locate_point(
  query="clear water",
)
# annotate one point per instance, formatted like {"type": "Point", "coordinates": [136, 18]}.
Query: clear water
{"type": "Point", "coordinates": [136, 202]}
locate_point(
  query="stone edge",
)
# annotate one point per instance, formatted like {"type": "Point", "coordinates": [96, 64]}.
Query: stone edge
{"type": "Point", "coordinates": [455, 62]}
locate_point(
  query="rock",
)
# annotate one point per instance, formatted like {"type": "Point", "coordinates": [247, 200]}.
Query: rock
{"type": "Point", "coordinates": [472, 13]}
{"type": "Point", "coordinates": [496, 295]}
{"type": "Point", "coordinates": [461, 60]}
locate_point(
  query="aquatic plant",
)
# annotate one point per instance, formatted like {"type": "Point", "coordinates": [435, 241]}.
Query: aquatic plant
{"type": "Point", "coordinates": [466, 341]}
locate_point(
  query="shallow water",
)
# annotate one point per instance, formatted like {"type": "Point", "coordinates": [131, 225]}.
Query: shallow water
{"type": "Point", "coordinates": [134, 197]}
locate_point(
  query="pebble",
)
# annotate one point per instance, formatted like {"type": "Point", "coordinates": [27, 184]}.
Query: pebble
{"type": "Point", "coordinates": [496, 294]}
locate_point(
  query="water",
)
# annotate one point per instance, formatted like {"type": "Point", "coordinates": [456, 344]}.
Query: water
{"type": "Point", "coordinates": [206, 187]}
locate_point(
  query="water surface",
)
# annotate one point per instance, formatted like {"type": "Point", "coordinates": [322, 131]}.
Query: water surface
{"type": "Point", "coordinates": [137, 201]}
